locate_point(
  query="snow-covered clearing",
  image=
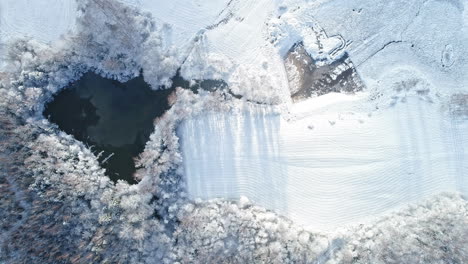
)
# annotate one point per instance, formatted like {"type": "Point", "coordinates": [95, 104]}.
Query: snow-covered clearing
{"type": "Point", "coordinates": [326, 169]}
{"type": "Point", "coordinates": [341, 159]}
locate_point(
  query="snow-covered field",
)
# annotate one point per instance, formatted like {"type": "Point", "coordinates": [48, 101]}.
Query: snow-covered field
{"type": "Point", "coordinates": [323, 162]}
{"type": "Point", "coordinates": [341, 159]}
{"type": "Point", "coordinates": [33, 19]}
{"type": "Point", "coordinates": [327, 169]}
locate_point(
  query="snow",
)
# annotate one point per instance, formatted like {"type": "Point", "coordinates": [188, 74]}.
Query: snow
{"type": "Point", "coordinates": [324, 162]}
{"type": "Point", "coordinates": [383, 34]}
{"type": "Point", "coordinates": [341, 159]}
{"type": "Point", "coordinates": [23, 18]}
{"type": "Point", "coordinates": [349, 167]}
{"type": "Point", "coordinates": [185, 20]}
{"type": "Point", "coordinates": [19, 18]}
{"type": "Point", "coordinates": [223, 40]}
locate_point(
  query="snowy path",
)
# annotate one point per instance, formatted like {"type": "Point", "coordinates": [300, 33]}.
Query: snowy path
{"type": "Point", "coordinates": [333, 174]}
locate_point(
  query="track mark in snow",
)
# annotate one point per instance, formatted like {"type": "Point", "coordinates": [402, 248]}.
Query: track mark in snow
{"type": "Point", "coordinates": [379, 50]}
{"type": "Point", "coordinates": [224, 19]}
{"type": "Point", "coordinates": [420, 7]}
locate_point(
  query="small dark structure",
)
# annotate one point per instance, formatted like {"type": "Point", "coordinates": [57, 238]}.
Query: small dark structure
{"type": "Point", "coordinates": [307, 79]}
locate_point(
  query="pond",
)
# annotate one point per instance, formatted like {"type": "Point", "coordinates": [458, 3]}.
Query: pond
{"type": "Point", "coordinates": [114, 119]}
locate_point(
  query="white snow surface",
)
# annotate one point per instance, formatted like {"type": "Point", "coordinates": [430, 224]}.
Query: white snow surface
{"type": "Point", "coordinates": [44, 21]}
{"type": "Point", "coordinates": [20, 18]}
{"type": "Point", "coordinates": [326, 161]}
{"type": "Point", "coordinates": [326, 169]}
{"type": "Point", "coordinates": [337, 159]}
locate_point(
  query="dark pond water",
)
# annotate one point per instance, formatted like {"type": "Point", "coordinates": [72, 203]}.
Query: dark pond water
{"type": "Point", "coordinates": [114, 119]}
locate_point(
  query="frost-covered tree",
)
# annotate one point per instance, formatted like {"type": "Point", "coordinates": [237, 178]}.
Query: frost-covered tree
{"type": "Point", "coordinates": [57, 206]}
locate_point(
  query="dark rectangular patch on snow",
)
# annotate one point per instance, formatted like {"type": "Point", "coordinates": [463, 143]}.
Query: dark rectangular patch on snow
{"type": "Point", "coordinates": [459, 105]}
{"type": "Point", "coordinates": [308, 79]}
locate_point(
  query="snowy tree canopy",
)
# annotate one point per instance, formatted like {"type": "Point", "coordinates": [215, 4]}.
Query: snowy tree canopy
{"type": "Point", "coordinates": [58, 206]}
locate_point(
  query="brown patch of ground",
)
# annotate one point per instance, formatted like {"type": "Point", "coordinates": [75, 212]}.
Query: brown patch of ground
{"type": "Point", "coordinates": [307, 79]}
